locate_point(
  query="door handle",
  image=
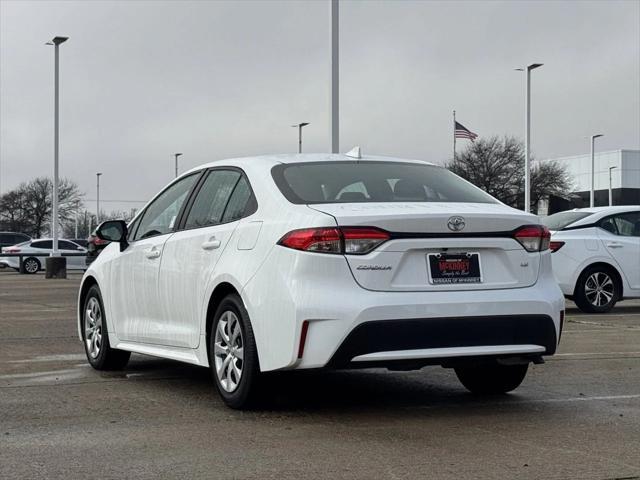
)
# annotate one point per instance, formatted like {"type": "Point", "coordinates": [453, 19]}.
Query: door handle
{"type": "Point", "coordinates": [614, 245]}
{"type": "Point", "coordinates": [211, 244]}
{"type": "Point", "coordinates": [152, 253]}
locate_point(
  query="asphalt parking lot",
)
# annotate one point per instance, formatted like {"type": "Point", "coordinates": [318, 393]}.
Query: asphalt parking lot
{"type": "Point", "coordinates": [576, 417]}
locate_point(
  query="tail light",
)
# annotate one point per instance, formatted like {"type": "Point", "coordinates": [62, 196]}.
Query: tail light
{"type": "Point", "coordinates": [99, 241]}
{"type": "Point", "coordinates": [348, 240]}
{"type": "Point", "coordinates": [555, 246]}
{"type": "Point", "coordinates": [10, 250]}
{"type": "Point", "coordinates": [534, 238]}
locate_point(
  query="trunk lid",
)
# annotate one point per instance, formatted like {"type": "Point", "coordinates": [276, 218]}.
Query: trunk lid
{"type": "Point", "coordinates": [421, 229]}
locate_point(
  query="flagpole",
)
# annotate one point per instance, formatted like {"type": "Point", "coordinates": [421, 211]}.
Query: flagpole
{"type": "Point", "coordinates": [454, 135]}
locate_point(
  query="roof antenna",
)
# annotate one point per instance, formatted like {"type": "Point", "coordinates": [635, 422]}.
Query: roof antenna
{"type": "Point", "coordinates": [354, 153]}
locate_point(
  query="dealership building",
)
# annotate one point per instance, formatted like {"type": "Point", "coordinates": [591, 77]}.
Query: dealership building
{"type": "Point", "coordinates": [622, 165]}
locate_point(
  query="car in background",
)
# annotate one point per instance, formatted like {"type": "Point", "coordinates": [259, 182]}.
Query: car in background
{"type": "Point", "coordinates": [83, 242]}
{"type": "Point", "coordinates": [35, 252]}
{"type": "Point", "coordinates": [8, 239]}
{"type": "Point", "coordinates": [94, 246]}
{"type": "Point", "coordinates": [324, 261]}
{"type": "Point", "coordinates": [596, 255]}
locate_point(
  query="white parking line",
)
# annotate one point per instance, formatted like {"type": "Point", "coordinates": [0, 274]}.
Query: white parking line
{"type": "Point", "coordinates": [583, 399]}
{"type": "Point", "coordinates": [594, 354]}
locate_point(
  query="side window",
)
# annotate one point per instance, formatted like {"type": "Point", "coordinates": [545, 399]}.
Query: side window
{"type": "Point", "coordinates": [628, 224]}
{"type": "Point", "coordinates": [210, 203]}
{"type": "Point", "coordinates": [241, 203]}
{"type": "Point", "coordinates": [43, 244]}
{"type": "Point", "coordinates": [609, 225]}
{"type": "Point", "coordinates": [64, 245]}
{"type": "Point", "coordinates": [160, 216]}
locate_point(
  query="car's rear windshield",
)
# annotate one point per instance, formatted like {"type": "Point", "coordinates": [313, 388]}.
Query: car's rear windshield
{"type": "Point", "coordinates": [558, 221]}
{"type": "Point", "coordinates": [373, 181]}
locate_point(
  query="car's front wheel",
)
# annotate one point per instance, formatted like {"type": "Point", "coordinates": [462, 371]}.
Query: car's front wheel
{"type": "Point", "coordinates": [488, 379]}
{"type": "Point", "coordinates": [597, 290]}
{"type": "Point", "coordinates": [95, 335]}
{"type": "Point", "coordinates": [233, 355]}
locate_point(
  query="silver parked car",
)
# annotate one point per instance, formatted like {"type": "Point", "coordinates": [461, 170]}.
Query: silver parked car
{"type": "Point", "coordinates": [35, 251]}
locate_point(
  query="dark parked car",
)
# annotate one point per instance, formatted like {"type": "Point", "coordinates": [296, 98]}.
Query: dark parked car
{"type": "Point", "coordinates": [8, 239]}
{"type": "Point", "coordinates": [94, 247]}
{"type": "Point", "coordinates": [83, 242]}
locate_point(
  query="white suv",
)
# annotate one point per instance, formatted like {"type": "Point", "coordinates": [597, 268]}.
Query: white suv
{"type": "Point", "coordinates": [596, 255]}
{"type": "Point", "coordinates": [309, 261]}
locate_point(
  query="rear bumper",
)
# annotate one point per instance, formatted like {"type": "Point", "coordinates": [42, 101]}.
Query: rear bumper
{"type": "Point", "coordinates": [436, 339]}
{"type": "Point", "coordinates": [294, 289]}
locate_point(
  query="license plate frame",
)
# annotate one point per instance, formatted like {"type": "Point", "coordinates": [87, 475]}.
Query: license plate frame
{"type": "Point", "coordinates": [455, 275]}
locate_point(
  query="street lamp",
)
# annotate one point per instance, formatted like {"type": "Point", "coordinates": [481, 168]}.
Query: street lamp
{"type": "Point", "coordinates": [56, 264]}
{"type": "Point", "coordinates": [299, 127]}
{"type": "Point", "coordinates": [335, 77]}
{"type": "Point", "coordinates": [591, 195]}
{"type": "Point", "coordinates": [176, 155]}
{"type": "Point", "coordinates": [98, 198]}
{"type": "Point", "coordinates": [527, 136]}
{"type": "Point", "coordinates": [610, 191]}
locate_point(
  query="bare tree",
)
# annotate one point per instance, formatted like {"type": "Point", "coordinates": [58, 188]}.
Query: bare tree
{"type": "Point", "coordinates": [28, 208]}
{"type": "Point", "coordinates": [497, 166]}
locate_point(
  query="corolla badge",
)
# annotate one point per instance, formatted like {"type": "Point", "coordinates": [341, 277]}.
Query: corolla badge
{"type": "Point", "coordinates": [456, 224]}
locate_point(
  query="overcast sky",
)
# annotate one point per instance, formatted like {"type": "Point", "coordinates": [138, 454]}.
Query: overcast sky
{"type": "Point", "coordinates": [216, 79]}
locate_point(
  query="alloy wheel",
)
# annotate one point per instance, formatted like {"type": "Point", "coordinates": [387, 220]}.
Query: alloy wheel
{"type": "Point", "coordinates": [599, 289]}
{"type": "Point", "coordinates": [229, 351]}
{"type": "Point", "coordinates": [31, 265]}
{"type": "Point", "coordinates": [93, 327]}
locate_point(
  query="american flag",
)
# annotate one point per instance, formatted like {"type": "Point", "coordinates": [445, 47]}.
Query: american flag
{"type": "Point", "coordinates": [462, 132]}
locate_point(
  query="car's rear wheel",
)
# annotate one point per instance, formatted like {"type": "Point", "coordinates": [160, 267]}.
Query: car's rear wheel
{"type": "Point", "coordinates": [95, 335]}
{"type": "Point", "coordinates": [597, 290]}
{"type": "Point", "coordinates": [31, 265]}
{"type": "Point", "coordinates": [233, 355]}
{"type": "Point", "coordinates": [493, 378]}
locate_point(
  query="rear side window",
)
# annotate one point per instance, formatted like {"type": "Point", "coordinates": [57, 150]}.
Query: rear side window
{"type": "Point", "coordinates": [65, 245]}
{"type": "Point", "coordinates": [43, 244]}
{"type": "Point", "coordinates": [211, 200]}
{"type": "Point", "coordinates": [560, 220]}
{"type": "Point", "coordinates": [241, 204]}
{"type": "Point", "coordinates": [623, 224]}
{"type": "Point", "coordinates": [373, 181]}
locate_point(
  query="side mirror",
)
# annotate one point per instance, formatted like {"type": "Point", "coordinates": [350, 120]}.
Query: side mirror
{"type": "Point", "coordinates": [114, 231]}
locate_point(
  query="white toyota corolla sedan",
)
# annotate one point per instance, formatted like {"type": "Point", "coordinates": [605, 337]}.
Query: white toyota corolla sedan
{"type": "Point", "coordinates": [596, 255]}
{"type": "Point", "coordinates": [287, 262]}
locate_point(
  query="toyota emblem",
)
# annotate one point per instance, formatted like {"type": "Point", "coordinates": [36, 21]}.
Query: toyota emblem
{"type": "Point", "coordinates": [456, 224]}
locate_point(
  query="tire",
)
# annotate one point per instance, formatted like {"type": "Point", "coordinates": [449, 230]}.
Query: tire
{"type": "Point", "coordinates": [31, 265]}
{"type": "Point", "coordinates": [491, 379]}
{"type": "Point", "coordinates": [99, 352]}
{"type": "Point", "coordinates": [233, 355]}
{"type": "Point", "coordinates": [597, 290]}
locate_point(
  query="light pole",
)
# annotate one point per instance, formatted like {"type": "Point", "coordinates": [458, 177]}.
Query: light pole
{"type": "Point", "coordinates": [176, 155]}
{"type": "Point", "coordinates": [56, 142]}
{"type": "Point", "coordinates": [593, 170]}
{"type": "Point", "coordinates": [56, 268]}
{"type": "Point", "coordinates": [98, 198]}
{"type": "Point", "coordinates": [299, 127]}
{"type": "Point", "coordinates": [610, 190]}
{"type": "Point", "coordinates": [527, 136]}
{"type": "Point", "coordinates": [335, 77]}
